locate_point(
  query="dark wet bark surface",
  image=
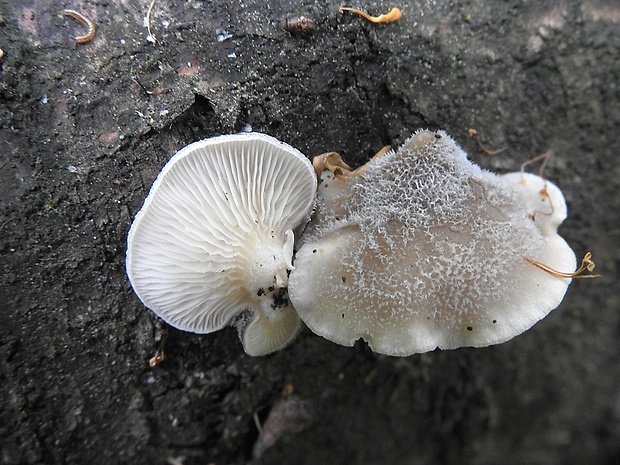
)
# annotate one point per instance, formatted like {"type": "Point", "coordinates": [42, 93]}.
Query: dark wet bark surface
{"type": "Point", "coordinates": [84, 130]}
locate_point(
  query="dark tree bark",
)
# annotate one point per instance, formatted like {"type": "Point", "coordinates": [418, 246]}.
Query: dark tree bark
{"type": "Point", "coordinates": [85, 128]}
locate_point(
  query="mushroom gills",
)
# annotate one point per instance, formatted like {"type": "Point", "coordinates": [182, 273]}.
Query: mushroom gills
{"type": "Point", "coordinates": [217, 228]}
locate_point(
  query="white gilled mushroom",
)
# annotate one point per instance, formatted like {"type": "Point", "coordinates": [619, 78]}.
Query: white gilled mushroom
{"type": "Point", "coordinates": [215, 237]}
{"type": "Point", "coordinates": [422, 249]}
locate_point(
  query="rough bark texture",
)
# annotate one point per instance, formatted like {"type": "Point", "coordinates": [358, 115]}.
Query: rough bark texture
{"type": "Point", "coordinates": [81, 141]}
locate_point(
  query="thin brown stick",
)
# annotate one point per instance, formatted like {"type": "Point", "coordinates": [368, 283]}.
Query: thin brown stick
{"type": "Point", "coordinates": [545, 157]}
{"type": "Point", "coordinates": [473, 133]}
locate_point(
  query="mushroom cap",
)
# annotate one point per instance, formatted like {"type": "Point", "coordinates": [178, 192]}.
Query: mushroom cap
{"type": "Point", "coordinates": [425, 250]}
{"type": "Point", "coordinates": [215, 237]}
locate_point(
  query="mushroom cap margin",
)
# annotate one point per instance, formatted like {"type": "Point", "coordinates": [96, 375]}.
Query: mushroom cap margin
{"type": "Point", "coordinates": [343, 314]}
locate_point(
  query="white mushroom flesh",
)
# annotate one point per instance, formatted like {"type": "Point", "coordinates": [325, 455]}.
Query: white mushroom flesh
{"type": "Point", "coordinates": [215, 237]}
{"type": "Point", "coordinates": [424, 249]}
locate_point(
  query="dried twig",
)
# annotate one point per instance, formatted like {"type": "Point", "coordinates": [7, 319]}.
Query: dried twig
{"type": "Point", "coordinates": [150, 37]}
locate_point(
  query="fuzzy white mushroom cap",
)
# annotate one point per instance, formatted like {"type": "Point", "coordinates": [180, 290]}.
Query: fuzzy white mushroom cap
{"type": "Point", "coordinates": [214, 238]}
{"type": "Point", "coordinates": [426, 250]}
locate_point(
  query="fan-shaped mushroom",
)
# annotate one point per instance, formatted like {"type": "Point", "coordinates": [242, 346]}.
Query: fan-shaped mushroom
{"type": "Point", "coordinates": [215, 237]}
{"type": "Point", "coordinates": [422, 249]}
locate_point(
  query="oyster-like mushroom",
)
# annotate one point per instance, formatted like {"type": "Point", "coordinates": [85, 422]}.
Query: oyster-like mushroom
{"type": "Point", "coordinates": [422, 249]}
{"type": "Point", "coordinates": [215, 238]}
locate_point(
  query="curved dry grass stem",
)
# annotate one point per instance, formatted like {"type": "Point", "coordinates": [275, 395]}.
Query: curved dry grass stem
{"type": "Point", "coordinates": [543, 193]}
{"type": "Point", "coordinates": [86, 22]}
{"type": "Point", "coordinates": [394, 15]}
{"type": "Point", "coordinates": [545, 157]}
{"type": "Point", "coordinates": [586, 265]}
{"type": "Point", "coordinates": [473, 133]}
{"type": "Point", "coordinates": [150, 37]}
